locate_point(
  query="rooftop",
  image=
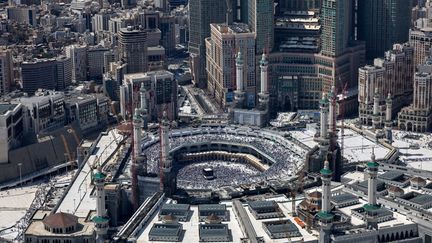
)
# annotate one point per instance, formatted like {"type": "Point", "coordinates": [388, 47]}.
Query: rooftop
{"type": "Point", "coordinates": [421, 199]}
{"type": "Point", "coordinates": [4, 108]}
{"type": "Point", "coordinates": [166, 229]}
{"type": "Point", "coordinates": [79, 199]}
{"type": "Point", "coordinates": [391, 175]}
{"type": "Point", "coordinates": [60, 220]}
{"type": "Point", "coordinates": [281, 226]}
{"type": "Point", "coordinates": [343, 198]}
{"type": "Point", "coordinates": [262, 204]}
{"type": "Point", "coordinates": [213, 230]}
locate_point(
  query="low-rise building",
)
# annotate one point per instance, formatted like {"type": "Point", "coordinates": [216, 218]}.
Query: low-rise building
{"type": "Point", "coordinates": [59, 227]}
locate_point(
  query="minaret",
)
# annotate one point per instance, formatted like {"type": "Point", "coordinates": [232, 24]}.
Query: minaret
{"type": "Point", "coordinates": [137, 124]}
{"type": "Point", "coordinates": [372, 169]}
{"type": "Point", "coordinates": [376, 115]}
{"type": "Point", "coordinates": [324, 106]}
{"type": "Point", "coordinates": [388, 121]}
{"type": "Point", "coordinates": [264, 95]}
{"type": "Point", "coordinates": [239, 94]}
{"type": "Point", "coordinates": [101, 219]}
{"type": "Point", "coordinates": [325, 216]}
{"type": "Point", "coordinates": [143, 105]}
{"type": "Point", "coordinates": [168, 180]}
{"type": "Point", "coordinates": [323, 135]}
{"type": "Point", "coordinates": [372, 205]}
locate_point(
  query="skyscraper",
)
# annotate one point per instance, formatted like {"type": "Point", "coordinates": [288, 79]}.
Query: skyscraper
{"type": "Point", "coordinates": [133, 49]}
{"type": "Point", "coordinates": [336, 17]}
{"type": "Point", "coordinates": [6, 71]}
{"type": "Point", "coordinates": [78, 55]}
{"type": "Point", "coordinates": [223, 44]}
{"type": "Point", "coordinates": [64, 72]}
{"type": "Point", "coordinates": [261, 21]}
{"type": "Point", "coordinates": [202, 14]}
{"type": "Point", "coordinates": [381, 23]}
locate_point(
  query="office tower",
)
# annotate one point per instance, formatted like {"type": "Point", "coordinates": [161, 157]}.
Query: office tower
{"type": "Point", "coordinates": [100, 21]}
{"type": "Point", "coordinates": [393, 75]}
{"type": "Point", "coordinates": [421, 40]}
{"type": "Point", "coordinates": [336, 21]}
{"type": "Point", "coordinates": [161, 91]}
{"type": "Point", "coordinates": [22, 14]}
{"type": "Point", "coordinates": [38, 74]}
{"type": "Point", "coordinates": [381, 23]}
{"type": "Point", "coordinates": [202, 14]}
{"type": "Point", "coordinates": [133, 49]}
{"type": "Point", "coordinates": [261, 21]}
{"type": "Point", "coordinates": [167, 28]}
{"type": "Point", "coordinates": [6, 72]}
{"type": "Point", "coordinates": [223, 45]}
{"type": "Point", "coordinates": [418, 116]}
{"type": "Point", "coordinates": [78, 55]}
{"type": "Point", "coordinates": [64, 72]}
{"type": "Point", "coordinates": [96, 62]}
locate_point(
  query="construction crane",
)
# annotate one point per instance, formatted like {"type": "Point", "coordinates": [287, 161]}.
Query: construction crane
{"type": "Point", "coordinates": [296, 187]}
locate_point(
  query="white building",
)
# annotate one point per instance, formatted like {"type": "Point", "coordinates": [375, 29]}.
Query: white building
{"type": "Point", "coordinates": [78, 54]}
{"type": "Point", "coordinates": [43, 112]}
{"type": "Point", "coordinates": [11, 128]}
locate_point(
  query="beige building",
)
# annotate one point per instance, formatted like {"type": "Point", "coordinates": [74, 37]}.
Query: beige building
{"type": "Point", "coordinates": [418, 116]}
{"type": "Point", "coordinates": [421, 40]}
{"type": "Point", "coordinates": [221, 48]}
{"type": "Point", "coordinates": [392, 75]}
{"type": "Point", "coordinates": [59, 228]}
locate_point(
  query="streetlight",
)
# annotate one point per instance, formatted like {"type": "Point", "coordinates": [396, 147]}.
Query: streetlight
{"type": "Point", "coordinates": [20, 181]}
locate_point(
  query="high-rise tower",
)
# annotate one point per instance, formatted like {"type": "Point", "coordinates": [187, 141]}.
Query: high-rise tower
{"type": "Point", "coordinates": [133, 49]}
{"type": "Point", "coordinates": [261, 21]}
{"type": "Point", "coordinates": [383, 23]}
{"type": "Point", "coordinates": [337, 26]}
{"type": "Point", "coordinates": [202, 14]}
